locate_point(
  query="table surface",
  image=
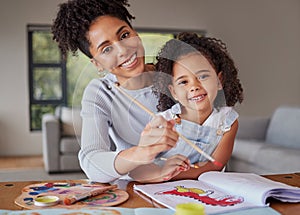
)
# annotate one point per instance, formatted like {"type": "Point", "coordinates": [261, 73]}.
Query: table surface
{"type": "Point", "coordinates": [9, 191]}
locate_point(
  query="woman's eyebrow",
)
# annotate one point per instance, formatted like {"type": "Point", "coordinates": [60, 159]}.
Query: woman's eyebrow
{"type": "Point", "coordinates": [117, 33]}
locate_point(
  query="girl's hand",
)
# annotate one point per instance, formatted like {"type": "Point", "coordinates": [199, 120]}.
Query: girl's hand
{"type": "Point", "coordinates": [153, 173]}
{"type": "Point", "coordinates": [173, 166]}
{"type": "Point", "coordinates": [159, 135]}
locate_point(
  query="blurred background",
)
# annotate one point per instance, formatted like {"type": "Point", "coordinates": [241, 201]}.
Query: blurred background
{"type": "Point", "coordinates": [263, 37]}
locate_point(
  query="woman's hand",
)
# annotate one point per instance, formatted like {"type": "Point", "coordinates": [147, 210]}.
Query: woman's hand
{"type": "Point", "coordinates": [159, 135]}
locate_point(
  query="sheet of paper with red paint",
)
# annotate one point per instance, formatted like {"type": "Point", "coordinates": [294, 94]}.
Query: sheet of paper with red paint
{"type": "Point", "coordinates": [220, 192]}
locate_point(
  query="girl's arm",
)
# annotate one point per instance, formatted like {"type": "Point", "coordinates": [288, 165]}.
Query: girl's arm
{"type": "Point", "coordinates": [221, 154]}
{"type": "Point", "coordinates": [151, 173]}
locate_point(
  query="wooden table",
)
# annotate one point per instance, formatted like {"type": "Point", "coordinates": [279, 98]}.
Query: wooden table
{"type": "Point", "coordinates": [290, 179]}
{"type": "Point", "coordinates": [9, 191]}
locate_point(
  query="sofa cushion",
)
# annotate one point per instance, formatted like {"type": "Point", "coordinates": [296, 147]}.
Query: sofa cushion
{"type": "Point", "coordinates": [69, 163]}
{"type": "Point", "coordinates": [252, 127]}
{"type": "Point", "coordinates": [71, 121]}
{"type": "Point", "coordinates": [284, 127]}
{"type": "Point", "coordinates": [246, 149]}
{"type": "Point", "coordinates": [278, 159]}
{"type": "Point", "coordinates": [69, 145]}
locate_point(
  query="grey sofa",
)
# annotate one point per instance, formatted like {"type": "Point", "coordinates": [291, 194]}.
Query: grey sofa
{"type": "Point", "coordinates": [268, 145]}
{"type": "Point", "coordinates": [61, 140]}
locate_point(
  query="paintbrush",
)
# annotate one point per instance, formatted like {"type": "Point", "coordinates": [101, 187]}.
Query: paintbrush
{"type": "Point", "coordinates": [93, 192]}
{"type": "Point", "coordinates": [192, 165]}
{"type": "Point", "coordinates": [216, 163]}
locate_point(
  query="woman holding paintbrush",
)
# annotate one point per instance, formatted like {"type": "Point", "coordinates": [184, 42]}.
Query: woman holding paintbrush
{"type": "Point", "coordinates": [101, 29]}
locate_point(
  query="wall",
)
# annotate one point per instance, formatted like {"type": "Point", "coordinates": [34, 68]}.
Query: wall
{"type": "Point", "coordinates": [262, 36]}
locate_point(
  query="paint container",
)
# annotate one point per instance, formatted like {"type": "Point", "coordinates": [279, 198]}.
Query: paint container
{"type": "Point", "coordinates": [45, 201]}
{"type": "Point", "coordinates": [189, 209]}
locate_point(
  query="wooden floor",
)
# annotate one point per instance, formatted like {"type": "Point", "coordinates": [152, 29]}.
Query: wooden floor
{"type": "Point", "coordinates": [23, 162]}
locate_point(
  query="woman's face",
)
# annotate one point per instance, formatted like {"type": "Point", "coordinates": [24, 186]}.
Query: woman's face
{"type": "Point", "coordinates": [195, 83]}
{"type": "Point", "coordinates": [116, 47]}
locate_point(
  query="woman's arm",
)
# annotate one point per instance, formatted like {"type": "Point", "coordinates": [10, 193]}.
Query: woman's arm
{"type": "Point", "coordinates": [221, 154]}
{"type": "Point", "coordinates": [97, 159]}
{"type": "Point", "coordinates": [95, 156]}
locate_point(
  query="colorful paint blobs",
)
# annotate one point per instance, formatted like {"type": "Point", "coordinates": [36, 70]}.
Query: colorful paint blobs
{"type": "Point", "coordinates": [103, 199]}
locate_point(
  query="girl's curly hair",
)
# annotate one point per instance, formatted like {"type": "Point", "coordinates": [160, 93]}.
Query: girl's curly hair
{"type": "Point", "coordinates": [213, 50]}
{"type": "Point", "coordinates": [75, 17]}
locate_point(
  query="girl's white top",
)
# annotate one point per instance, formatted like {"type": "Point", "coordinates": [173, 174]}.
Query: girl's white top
{"type": "Point", "coordinates": [206, 136]}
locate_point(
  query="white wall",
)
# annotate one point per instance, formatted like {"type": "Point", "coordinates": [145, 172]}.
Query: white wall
{"type": "Point", "coordinates": [263, 37]}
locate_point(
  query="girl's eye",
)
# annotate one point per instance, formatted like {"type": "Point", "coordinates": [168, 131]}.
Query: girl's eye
{"type": "Point", "coordinates": [182, 82]}
{"type": "Point", "coordinates": [124, 35]}
{"type": "Point", "coordinates": [203, 77]}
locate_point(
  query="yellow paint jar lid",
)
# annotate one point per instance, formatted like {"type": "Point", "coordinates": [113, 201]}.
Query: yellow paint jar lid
{"type": "Point", "coordinates": [189, 209]}
{"type": "Point", "coordinates": [44, 201]}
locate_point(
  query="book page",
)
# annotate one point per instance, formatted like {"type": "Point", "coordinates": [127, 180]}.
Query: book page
{"type": "Point", "coordinates": [252, 187]}
{"type": "Point", "coordinates": [214, 200]}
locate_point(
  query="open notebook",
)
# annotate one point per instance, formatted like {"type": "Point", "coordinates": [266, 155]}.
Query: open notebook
{"type": "Point", "coordinates": [221, 192]}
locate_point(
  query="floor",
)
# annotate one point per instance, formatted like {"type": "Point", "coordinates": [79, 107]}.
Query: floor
{"type": "Point", "coordinates": [24, 162]}
{"type": "Point", "coordinates": [17, 169]}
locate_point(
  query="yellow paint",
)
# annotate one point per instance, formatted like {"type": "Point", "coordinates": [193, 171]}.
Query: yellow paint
{"type": "Point", "coordinates": [189, 209]}
{"type": "Point", "coordinates": [46, 199]}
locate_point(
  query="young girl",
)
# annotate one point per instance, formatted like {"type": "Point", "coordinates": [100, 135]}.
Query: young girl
{"type": "Point", "coordinates": [195, 73]}
{"type": "Point", "coordinates": [101, 29]}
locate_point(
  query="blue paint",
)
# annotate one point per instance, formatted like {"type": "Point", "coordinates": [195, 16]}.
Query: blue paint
{"type": "Point", "coordinates": [34, 193]}
{"type": "Point", "coordinates": [28, 199]}
{"type": "Point", "coordinates": [41, 189]}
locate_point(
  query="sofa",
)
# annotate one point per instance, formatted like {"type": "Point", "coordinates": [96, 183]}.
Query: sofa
{"type": "Point", "coordinates": [61, 140]}
{"type": "Point", "coordinates": [268, 145]}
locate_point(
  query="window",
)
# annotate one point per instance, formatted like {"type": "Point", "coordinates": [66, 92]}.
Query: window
{"type": "Point", "coordinates": [54, 81]}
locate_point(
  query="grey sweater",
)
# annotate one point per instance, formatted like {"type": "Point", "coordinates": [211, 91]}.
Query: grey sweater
{"type": "Point", "coordinates": [108, 117]}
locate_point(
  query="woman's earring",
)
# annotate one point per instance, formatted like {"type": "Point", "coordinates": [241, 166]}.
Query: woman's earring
{"type": "Point", "coordinates": [100, 71]}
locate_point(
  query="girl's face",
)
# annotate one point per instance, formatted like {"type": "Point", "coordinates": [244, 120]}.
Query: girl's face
{"type": "Point", "coordinates": [195, 83]}
{"type": "Point", "coordinates": [116, 47]}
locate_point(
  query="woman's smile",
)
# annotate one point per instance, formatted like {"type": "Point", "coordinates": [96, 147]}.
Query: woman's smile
{"type": "Point", "coordinates": [131, 62]}
{"type": "Point", "coordinates": [117, 48]}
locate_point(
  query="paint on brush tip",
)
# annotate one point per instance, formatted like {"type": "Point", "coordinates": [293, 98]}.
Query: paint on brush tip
{"type": "Point", "coordinates": [216, 163]}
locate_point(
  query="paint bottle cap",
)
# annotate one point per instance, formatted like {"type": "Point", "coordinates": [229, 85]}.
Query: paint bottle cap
{"type": "Point", "coordinates": [44, 201]}
{"type": "Point", "coordinates": [189, 209]}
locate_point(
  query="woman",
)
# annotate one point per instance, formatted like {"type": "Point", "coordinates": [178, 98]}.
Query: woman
{"type": "Point", "coordinates": [101, 29]}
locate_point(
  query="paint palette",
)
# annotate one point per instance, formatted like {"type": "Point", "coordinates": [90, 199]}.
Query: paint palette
{"type": "Point", "coordinates": [62, 190]}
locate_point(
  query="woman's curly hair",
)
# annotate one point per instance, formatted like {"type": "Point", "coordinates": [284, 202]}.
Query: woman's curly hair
{"type": "Point", "coordinates": [75, 17]}
{"type": "Point", "coordinates": [213, 50]}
